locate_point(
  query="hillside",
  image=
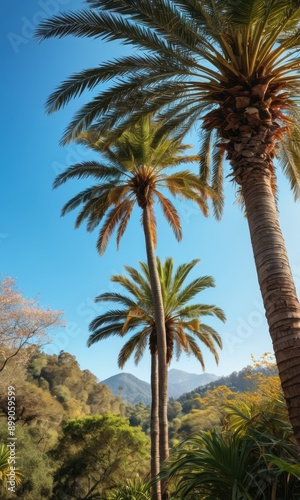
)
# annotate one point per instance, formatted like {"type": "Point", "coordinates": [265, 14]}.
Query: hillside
{"type": "Point", "coordinates": [181, 381]}
{"type": "Point", "coordinates": [130, 388]}
{"type": "Point", "coordinates": [133, 390]}
{"type": "Point", "coordinates": [236, 382]}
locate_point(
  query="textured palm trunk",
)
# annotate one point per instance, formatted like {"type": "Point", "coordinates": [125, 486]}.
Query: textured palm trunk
{"type": "Point", "coordinates": [161, 343]}
{"type": "Point", "coordinates": [276, 284]}
{"type": "Point", "coordinates": [155, 465]}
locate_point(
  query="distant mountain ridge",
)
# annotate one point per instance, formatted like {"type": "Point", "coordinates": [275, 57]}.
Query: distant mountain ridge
{"type": "Point", "coordinates": [133, 390]}
{"type": "Point", "coordinates": [181, 381]}
{"type": "Point", "coordinates": [130, 388]}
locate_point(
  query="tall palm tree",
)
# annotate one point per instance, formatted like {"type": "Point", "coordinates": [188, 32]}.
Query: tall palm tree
{"type": "Point", "coordinates": [234, 65]}
{"type": "Point", "coordinates": [134, 173]}
{"type": "Point", "coordinates": [182, 323]}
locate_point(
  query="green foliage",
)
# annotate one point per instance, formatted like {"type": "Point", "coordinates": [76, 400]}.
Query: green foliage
{"type": "Point", "coordinates": [96, 453]}
{"type": "Point", "coordinates": [33, 463]}
{"type": "Point", "coordinates": [174, 409]}
{"type": "Point", "coordinates": [190, 58]}
{"type": "Point", "coordinates": [183, 326]}
{"type": "Point", "coordinates": [252, 457]}
{"type": "Point", "coordinates": [135, 489]}
{"type": "Point", "coordinates": [76, 390]}
{"type": "Point", "coordinates": [133, 171]}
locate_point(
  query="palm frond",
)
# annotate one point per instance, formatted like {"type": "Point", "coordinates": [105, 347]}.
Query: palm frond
{"type": "Point", "coordinates": [290, 161]}
{"type": "Point", "coordinates": [124, 221]}
{"type": "Point", "coordinates": [138, 314]}
{"type": "Point", "coordinates": [93, 210]}
{"type": "Point", "coordinates": [170, 214]}
{"type": "Point", "coordinates": [131, 345]}
{"type": "Point", "coordinates": [112, 316]}
{"type": "Point", "coordinates": [105, 332]}
{"type": "Point", "coordinates": [115, 215]}
{"type": "Point", "coordinates": [115, 297]}
{"type": "Point", "coordinates": [87, 169]}
{"type": "Point", "coordinates": [196, 286]}
{"type": "Point", "coordinates": [82, 197]}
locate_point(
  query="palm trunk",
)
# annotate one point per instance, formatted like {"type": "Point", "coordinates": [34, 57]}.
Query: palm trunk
{"type": "Point", "coordinates": [161, 342]}
{"type": "Point", "coordinates": [277, 286]}
{"type": "Point", "coordinates": [155, 465]}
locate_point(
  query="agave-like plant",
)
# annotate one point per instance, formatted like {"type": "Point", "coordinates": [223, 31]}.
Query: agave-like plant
{"type": "Point", "coordinates": [133, 489]}
{"type": "Point", "coordinates": [252, 458]}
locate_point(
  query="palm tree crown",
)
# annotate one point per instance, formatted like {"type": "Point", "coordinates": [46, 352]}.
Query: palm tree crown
{"type": "Point", "coordinates": [233, 64]}
{"type": "Point", "coordinates": [133, 172]}
{"type": "Point", "coordinates": [182, 320]}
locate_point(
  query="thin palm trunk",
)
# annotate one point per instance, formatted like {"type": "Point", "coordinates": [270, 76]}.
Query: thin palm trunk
{"type": "Point", "coordinates": [159, 317]}
{"type": "Point", "coordinates": [155, 465]}
{"type": "Point", "coordinates": [277, 287]}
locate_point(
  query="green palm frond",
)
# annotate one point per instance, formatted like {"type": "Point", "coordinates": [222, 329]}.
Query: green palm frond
{"type": "Point", "coordinates": [189, 59]}
{"type": "Point", "coordinates": [290, 160]}
{"type": "Point", "coordinates": [134, 171]}
{"type": "Point", "coordinates": [183, 326]}
{"type": "Point", "coordinates": [195, 287]}
{"type": "Point", "coordinates": [106, 332]}
{"type": "Point", "coordinates": [213, 467]}
{"type": "Point", "coordinates": [87, 169]}
{"type": "Point", "coordinates": [133, 288]}
{"type": "Point", "coordinates": [115, 297]}
{"type": "Point", "coordinates": [182, 272]}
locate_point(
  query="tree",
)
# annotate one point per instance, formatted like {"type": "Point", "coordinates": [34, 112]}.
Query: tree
{"type": "Point", "coordinates": [95, 454]}
{"type": "Point", "coordinates": [23, 323]}
{"type": "Point", "coordinates": [235, 66]}
{"type": "Point", "coordinates": [182, 323]}
{"type": "Point", "coordinates": [134, 173]}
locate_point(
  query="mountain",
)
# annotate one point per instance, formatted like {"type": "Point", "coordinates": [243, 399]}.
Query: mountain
{"type": "Point", "coordinates": [133, 390]}
{"type": "Point", "coordinates": [236, 382]}
{"type": "Point", "coordinates": [181, 382]}
{"type": "Point", "coordinates": [130, 388]}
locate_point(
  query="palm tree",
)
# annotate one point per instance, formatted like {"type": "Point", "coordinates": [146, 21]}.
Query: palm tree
{"type": "Point", "coordinates": [183, 326]}
{"type": "Point", "coordinates": [134, 173]}
{"type": "Point", "coordinates": [233, 65]}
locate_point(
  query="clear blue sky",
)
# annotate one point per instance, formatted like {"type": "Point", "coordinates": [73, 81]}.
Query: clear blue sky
{"type": "Point", "coordinates": [47, 256]}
